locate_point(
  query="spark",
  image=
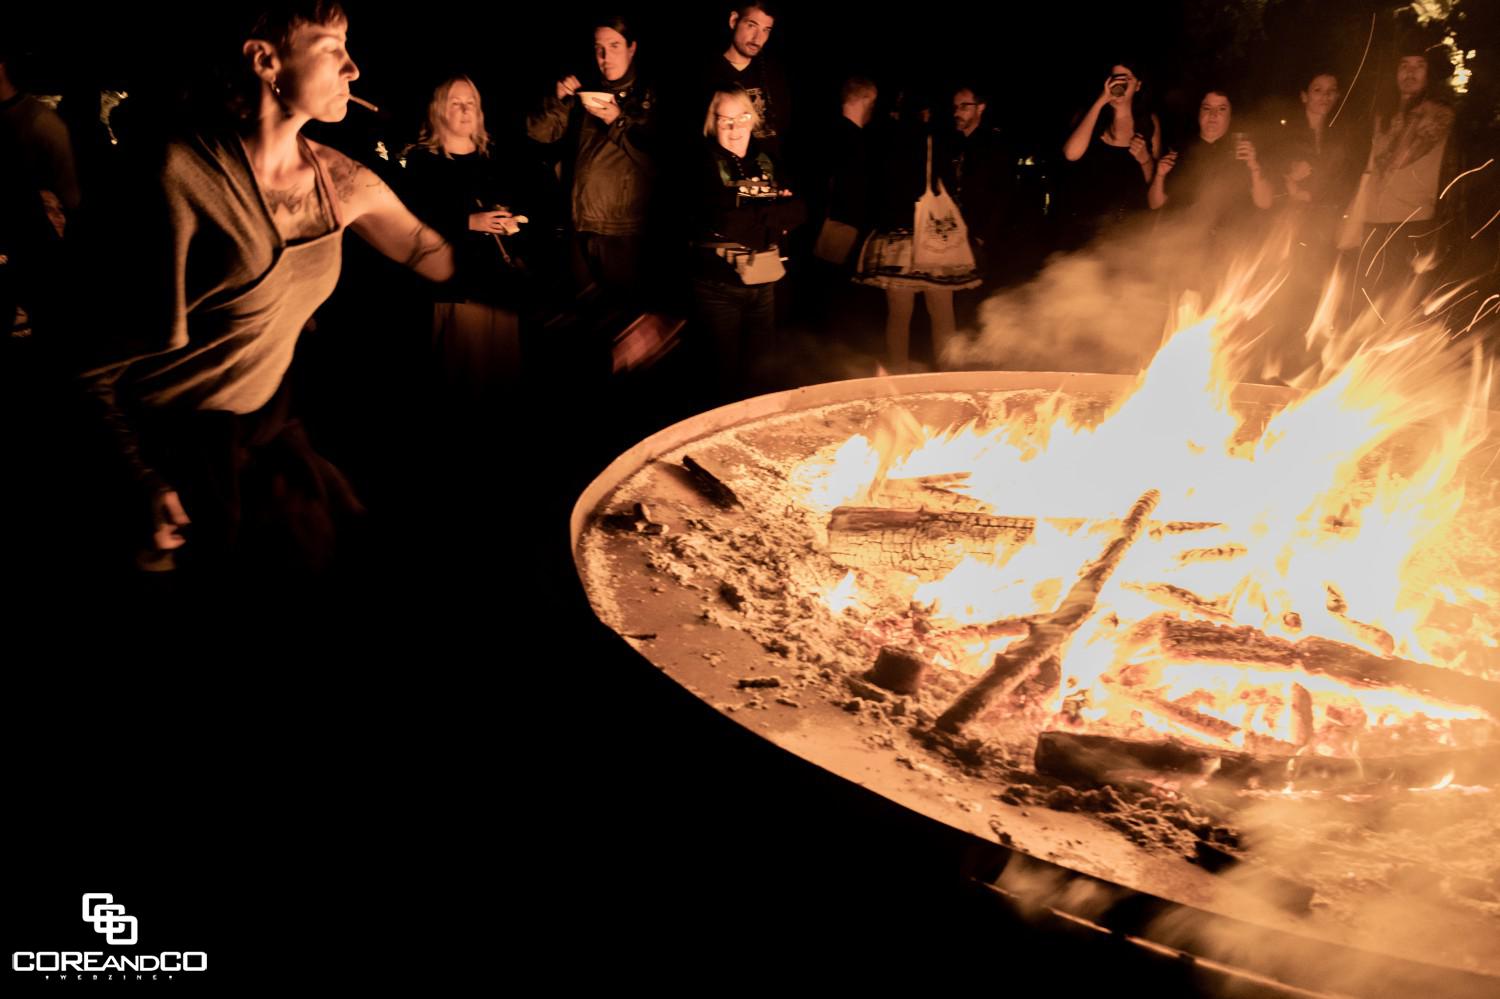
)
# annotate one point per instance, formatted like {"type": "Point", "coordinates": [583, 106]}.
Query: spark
{"type": "Point", "coordinates": [1478, 315]}
{"type": "Point", "coordinates": [1372, 306]}
{"type": "Point", "coordinates": [1352, 82]}
{"type": "Point", "coordinates": [1461, 176]}
{"type": "Point", "coordinates": [1487, 224]}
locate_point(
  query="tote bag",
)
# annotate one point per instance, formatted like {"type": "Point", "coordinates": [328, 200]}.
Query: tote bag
{"type": "Point", "coordinates": [940, 239]}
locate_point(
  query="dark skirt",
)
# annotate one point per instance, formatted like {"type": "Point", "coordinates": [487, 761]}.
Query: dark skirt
{"type": "Point", "coordinates": [261, 500]}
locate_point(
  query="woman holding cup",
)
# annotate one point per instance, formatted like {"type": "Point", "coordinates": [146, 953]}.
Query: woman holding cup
{"type": "Point", "coordinates": [1216, 177]}
{"type": "Point", "coordinates": [1114, 146]}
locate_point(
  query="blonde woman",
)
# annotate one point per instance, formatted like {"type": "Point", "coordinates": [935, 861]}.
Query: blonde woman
{"type": "Point", "coordinates": [482, 205]}
{"type": "Point", "coordinates": [742, 215]}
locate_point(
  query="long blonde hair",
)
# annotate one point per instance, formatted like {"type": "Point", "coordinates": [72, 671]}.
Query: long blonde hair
{"type": "Point", "coordinates": [431, 136]}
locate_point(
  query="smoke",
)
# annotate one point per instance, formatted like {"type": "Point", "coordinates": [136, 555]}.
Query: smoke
{"type": "Point", "coordinates": [1101, 308]}
{"type": "Point", "coordinates": [1406, 880]}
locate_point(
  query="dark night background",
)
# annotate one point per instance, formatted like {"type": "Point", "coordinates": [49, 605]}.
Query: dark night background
{"type": "Point", "coordinates": [1042, 61]}
{"type": "Point", "coordinates": [461, 761]}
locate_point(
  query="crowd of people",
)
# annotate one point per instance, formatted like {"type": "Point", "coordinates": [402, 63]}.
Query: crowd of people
{"type": "Point", "coordinates": [624, 224]}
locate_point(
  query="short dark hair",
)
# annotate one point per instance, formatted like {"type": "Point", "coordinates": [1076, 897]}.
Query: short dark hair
{"type": "Point", "coordinates": [770, 8]}
{"type": "Point", "coordinates": [275, 22]}
{"type": "Point", "coordinates": [1314, 73]}
{"type": "Point", "coordinates": [981, 96]}
{"type": "Point", "coordinates": [615, 23]}
{"type": "Point", "coordinates": [856, 86]}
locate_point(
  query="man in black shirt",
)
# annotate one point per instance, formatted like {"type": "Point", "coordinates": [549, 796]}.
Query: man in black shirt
{"type": "Point", "coordinates": [741, 65]}
{"type": "Point", "coordinates": [983, 176]}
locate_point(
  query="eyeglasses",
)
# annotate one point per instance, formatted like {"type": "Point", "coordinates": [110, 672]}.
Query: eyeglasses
{"type": "Point", "coordinates": [726, 121]}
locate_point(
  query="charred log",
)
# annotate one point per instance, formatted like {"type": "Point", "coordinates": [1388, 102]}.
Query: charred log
{"type": "Point", "coordinates": [1202, 641]}
{"type": "Point", "coordinates": [930, 542]}
{"type": "Point", "coordinates": [898, 670]}
{"type": "Point", "coordinates": [710, 483]}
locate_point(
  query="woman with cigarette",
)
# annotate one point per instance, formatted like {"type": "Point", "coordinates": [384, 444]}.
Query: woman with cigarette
{"type": "Point", "coordinates": [1113, 148]}
{"type": "Point", "coordinates": [238, 242]}
{"type": "Point", "coordinates": [488, 210]}
{"type": "Point", "coordinates": [608, 123]}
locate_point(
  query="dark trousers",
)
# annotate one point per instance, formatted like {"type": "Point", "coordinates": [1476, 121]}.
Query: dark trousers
{"type": "Point", "coordinates": [740, 321]}
{"type": "Point", "coordinates": [611, 263]}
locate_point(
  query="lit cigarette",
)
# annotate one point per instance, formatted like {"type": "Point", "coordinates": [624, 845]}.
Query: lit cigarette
{"type": "Point", "coordinates": [363, 103]}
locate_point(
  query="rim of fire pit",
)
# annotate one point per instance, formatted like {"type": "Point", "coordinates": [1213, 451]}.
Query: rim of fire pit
{"type": "Point", "coordinates": [854, 390]}
{"type": "Point", "coordinates": [1134, 909]}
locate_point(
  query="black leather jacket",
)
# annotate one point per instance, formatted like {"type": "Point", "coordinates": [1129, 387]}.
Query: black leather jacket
{"type": "Point", "coordinates": [612, 168]}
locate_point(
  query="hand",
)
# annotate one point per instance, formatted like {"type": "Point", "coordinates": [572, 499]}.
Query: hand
{"type": "Point", "coordinates": [1300, 171]}
{"type": "Point", "coordinates": [1139, 149]}
{"type": "Point", "coordinates": [567, 87]}
{"type": "Point", "coordinates": [606, 113]}
{"type": "Point", "coordinates": [1244, 149]}
{"type": "Point", "coordinates": [167, 515]}
{"type": "Point", "coordinates": [1166, 163]}
{"type": "Point", "coordinates": [786, 192]}
{"type": "Point", "coordinates": [1105, 97]}
{"type": "Point", "coordinates": [500, 220]}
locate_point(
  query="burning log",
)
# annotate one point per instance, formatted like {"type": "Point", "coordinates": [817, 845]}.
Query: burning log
{"type": "Point", "coordinates": [1050, 632]}
{"type": "Point", "coordinates": [1177, 598]}
{"type": "Point", "coordinates": [1106, 759]}
{"type": "Point", "coordinates": [898, 670]}
{"type": "Point", "coordinates": [1302, 715]}
{"type": "Point", "coordinates": [1205, 642]}
{"type": "Point", "coordinates": [929, 543]}
{"type": "Point", "coordinates": [1378, 637]}
{"type": "Point", "coordinates": [1006, 627]}
{"type": "Point", "coordinates": [1184, 715]}
{"type": "Point", "coordinates": [1219, 553]}
{"type": "Point", "coordinates": [925, 542]}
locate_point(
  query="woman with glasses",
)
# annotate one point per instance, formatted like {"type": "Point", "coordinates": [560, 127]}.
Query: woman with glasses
{"type": "Point", "coordinates": [741, 218]}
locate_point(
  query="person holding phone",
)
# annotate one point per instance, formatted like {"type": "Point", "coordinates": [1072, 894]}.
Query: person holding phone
{"type": "Point", "coordinates": [609, 170]}
{"type": "Point", "coordinates": [1113, 147]}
